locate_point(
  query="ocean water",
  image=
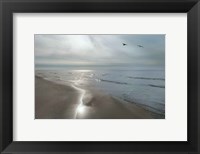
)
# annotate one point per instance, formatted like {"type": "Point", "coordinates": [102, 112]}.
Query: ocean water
{"type": "Point", "coordinates": [143, 86]}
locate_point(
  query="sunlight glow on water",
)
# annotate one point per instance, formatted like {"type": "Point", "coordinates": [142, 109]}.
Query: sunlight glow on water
{"type": "Point", "coordinates": [81, 109]}
{"type": "Point", "coordinates": [82, 70]}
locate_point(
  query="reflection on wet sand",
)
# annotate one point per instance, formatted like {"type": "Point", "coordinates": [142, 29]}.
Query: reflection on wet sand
{"type": "Point", "coordinates": [73, 102]}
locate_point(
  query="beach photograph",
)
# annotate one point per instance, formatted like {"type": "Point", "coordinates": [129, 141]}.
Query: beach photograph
{"type": "Point", "coordinates": [99, 76]}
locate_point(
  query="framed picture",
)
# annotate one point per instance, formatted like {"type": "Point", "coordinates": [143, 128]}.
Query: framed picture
{"type": "Point", "coordinates": [99, 76]}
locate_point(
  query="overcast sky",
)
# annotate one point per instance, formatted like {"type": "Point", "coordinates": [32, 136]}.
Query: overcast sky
{"type": "Point", "coordinates": [100, 50]}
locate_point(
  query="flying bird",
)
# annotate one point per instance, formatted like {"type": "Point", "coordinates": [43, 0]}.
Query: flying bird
{"type": "Point", "coordinates": [140, 46]}
{"type": "Point", "coordinates": [124, 44]}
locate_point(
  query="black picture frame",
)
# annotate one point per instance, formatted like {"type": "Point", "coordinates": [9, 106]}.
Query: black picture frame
{"type": "Point", "coordinates": [8, 7]}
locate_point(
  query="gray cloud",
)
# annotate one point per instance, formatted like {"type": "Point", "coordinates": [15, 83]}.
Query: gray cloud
{"type": "Point", "coordinates": [100, 50]}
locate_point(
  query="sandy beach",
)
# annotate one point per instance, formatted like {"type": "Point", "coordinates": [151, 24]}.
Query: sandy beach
{"type": "Point", "coordinates": [56, 101]}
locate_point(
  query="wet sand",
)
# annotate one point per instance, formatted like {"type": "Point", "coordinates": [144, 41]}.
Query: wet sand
{"type": "Point", "coordinates": [56, 101]}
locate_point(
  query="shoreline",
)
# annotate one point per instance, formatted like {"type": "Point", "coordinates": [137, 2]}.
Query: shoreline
{"type": "Point", "coordinates": [57, 101]}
